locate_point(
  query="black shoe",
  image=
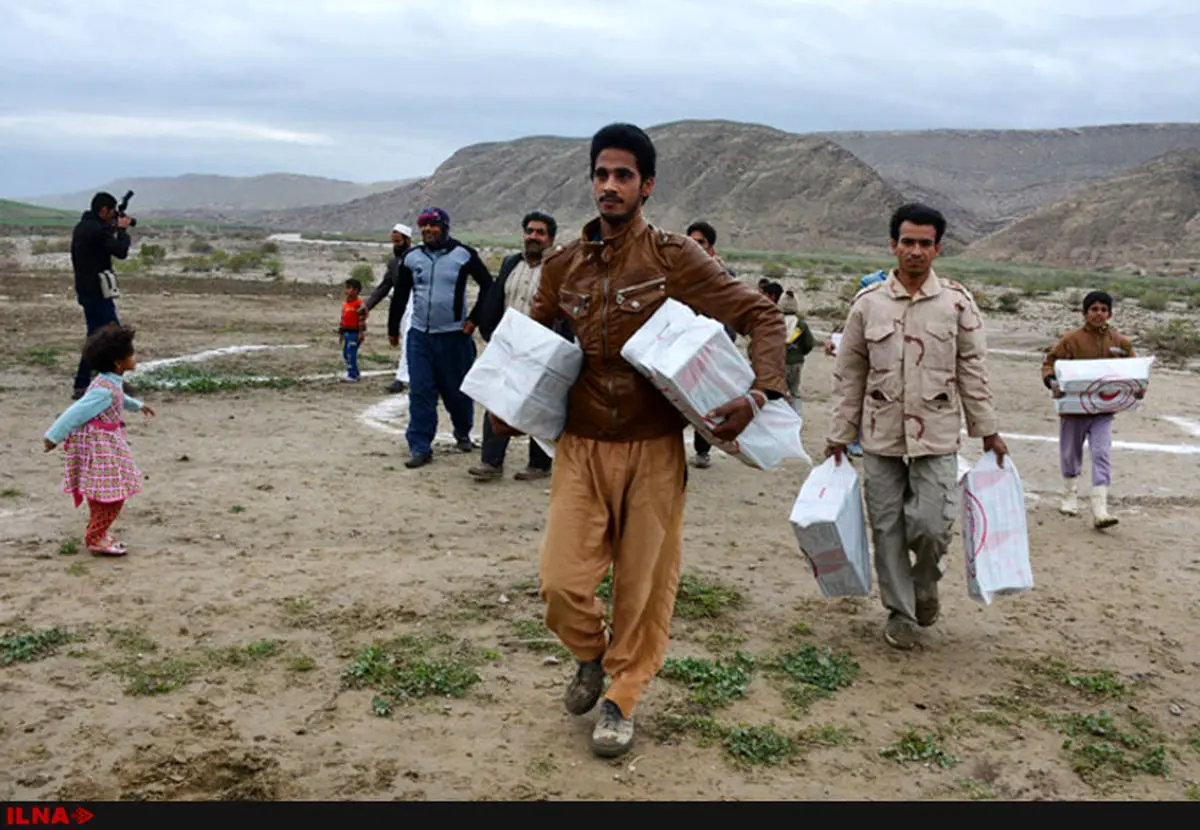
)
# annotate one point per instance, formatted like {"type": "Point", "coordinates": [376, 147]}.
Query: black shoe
{"type": "Point", "coordinates": [466, 445]}
{"type": "Point", "coordinates": [418, 461]}
{"type": "Point", "coordinates": [396, 387]}
{"type": "Point", "coordinates": [586, 687]}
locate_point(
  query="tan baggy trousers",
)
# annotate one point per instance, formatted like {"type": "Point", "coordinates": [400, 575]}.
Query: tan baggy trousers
{"type": "Point", "coordinates": [912, 506]}
{"type": "Point", "coordinates": [619, 504]}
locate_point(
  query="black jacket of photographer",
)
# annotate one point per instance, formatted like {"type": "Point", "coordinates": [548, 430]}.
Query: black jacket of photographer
{"type": "Point", "coordinates": [493, 308]}
{"type": "Point", "coordinates": [94, 243]}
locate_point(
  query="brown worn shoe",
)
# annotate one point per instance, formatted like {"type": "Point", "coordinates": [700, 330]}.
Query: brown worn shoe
{"type": "Point", "coordinates": [586, 687]}
{"type": "Point", "coordinates": [613, 734]}
{"type": "Point", "coordinates": [900, 633]}
{"type": "Point", "coordinates": [486, 472]}
{"type": "Point", "coordinates": [531, 474]}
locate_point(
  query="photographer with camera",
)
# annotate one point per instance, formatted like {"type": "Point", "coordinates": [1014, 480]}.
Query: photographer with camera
{"type": "Point", "coordinates": [99, 236]}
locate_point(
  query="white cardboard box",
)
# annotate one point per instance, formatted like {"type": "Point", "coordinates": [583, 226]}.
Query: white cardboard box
{"type": "Point", "coordinates": [1093, 387]}
{"type": "Point", "coordinates": [690, 359]}
{"type": "Point", "coordinates": [830, 526]}
{"type": "Point", "coordinates": [524, 376]}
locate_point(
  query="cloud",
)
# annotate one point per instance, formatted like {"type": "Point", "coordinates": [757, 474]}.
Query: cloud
{"type": "Point", "coordinates": [71, 128]}
{"type": "Point", "coordinates": [374, 89]}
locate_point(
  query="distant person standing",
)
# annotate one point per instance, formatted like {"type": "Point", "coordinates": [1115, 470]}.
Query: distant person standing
{"type": "Point", "coordinates": [515, 287]}
{"type": "Point", "coordinates": [99, 236]}
{"type": "Point", "coordinates": [705, 235]}
{"type": "Point", "coordinates": [401, 243]}
{"type": "Point", "coordinates": [439, 345]}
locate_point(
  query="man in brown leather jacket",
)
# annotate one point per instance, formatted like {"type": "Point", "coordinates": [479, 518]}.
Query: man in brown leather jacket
{"type": "Point", "coordinates": [620, 470]}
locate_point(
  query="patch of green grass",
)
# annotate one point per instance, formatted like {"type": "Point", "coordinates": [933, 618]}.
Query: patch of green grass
{"type": "Point", "coordinates": [187, 377]}
{"type": "Point", "coordinates": [237, 508]}
{"type": "Point", "coordinates": [1193, 792]}
{"type": "Point", "coordinates": [542, 767]}
{"type": "Point", "coordinates": [243, 656]}
{"type": "Point", "coordinates": [77, 569]}
{"type": "Point", "coordinates": [533, 635]}
{"type": "Point", "coordinates": [1103, 749]}
{"type": "Point", "coordinates": [759, 745]}
{"type": "Point", "coordinates": [69, 547]}
{"type": "Point", "coordinates": [1193, 739]}
{"type": "Point", "coordinates": [131, 640]}
{"type": "Point", "coordinates": [826, 735]}
{"type": "Point", "coordinates": [976, 790]}
{"type": "Point", "coordinates": [29, 646]}
{"type": "Point", "coordinates": [1102, 683]}
{"type": "Point", "coordinates": [811, 673]}
{"type": "Point", "coordinates": [713, 684]}
{"type": "Point", "coordinates": [722, 642]}
{"type": "Point", "coordinates": [913, 747]}
{"type": "Point", "coordinates": [11, 493]}
{"type": "Point", "coordinates": [698, 598]}
{"type": "Point", "coordinates": [410, 667]}
{"type": "Point", "coordinates": [154, 676]}
{"type": "Point", "coordinates": [302, 663]}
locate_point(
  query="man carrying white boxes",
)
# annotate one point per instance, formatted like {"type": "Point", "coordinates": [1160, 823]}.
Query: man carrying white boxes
{"type": "Point", "coordinates": [912, 362]}
{"type": "Point", "coordinates": [1092, 373]}
{"type": "Point", "coordinates": [617, 493]}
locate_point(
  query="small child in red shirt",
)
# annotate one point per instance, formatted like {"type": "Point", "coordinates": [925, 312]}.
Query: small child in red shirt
{"type": "Point", "coordinates": [353, 330]}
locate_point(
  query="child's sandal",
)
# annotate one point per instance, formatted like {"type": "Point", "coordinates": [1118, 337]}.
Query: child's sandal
{"type": "Point", "coordinates": [109, 547]}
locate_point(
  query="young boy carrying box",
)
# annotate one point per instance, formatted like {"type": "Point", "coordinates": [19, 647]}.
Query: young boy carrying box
{"type": "Point", "coordinates": [1095, 340]}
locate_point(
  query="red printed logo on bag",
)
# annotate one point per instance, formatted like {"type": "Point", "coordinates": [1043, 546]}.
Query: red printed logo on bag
{"type": "Point", "coordinates": [975, 521]}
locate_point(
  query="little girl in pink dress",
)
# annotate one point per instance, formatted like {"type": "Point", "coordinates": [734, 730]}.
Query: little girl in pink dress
{"type": "Point", "coordinates": [99, 466]}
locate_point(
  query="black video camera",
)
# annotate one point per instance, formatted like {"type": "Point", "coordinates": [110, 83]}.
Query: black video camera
{"type": "Point", "coordinates": [124, 204]}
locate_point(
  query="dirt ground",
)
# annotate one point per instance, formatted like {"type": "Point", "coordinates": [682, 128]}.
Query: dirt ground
{"type": "Point", "coordinates": [300, 617]}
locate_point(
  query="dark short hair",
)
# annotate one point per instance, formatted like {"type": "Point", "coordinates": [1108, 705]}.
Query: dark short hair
{"type": "Point", "coordinates": [774, 290]}
{"type": "Point", "coordinates": [538, 216]}
{"type": "Point", "coordinates": [353, 283]}
{"type": "Point", "coordinates": [106, 346]}
{"type": "Point", "coordinates": [1094, 297]}
{"type": "Point", "coordinates": [103, 200]}
{"type": "Point", "coordinates": [625, 137]}
{"type": "Point", "coordinates": [918, 214]}
{"type": "Point", "coordinates": [706, 230]}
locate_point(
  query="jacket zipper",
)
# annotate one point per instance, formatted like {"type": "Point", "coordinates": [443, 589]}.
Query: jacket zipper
{"type": "Point", "coordinates": [612, 398]}
{"type": "Point", "coordinates": [632, 288]}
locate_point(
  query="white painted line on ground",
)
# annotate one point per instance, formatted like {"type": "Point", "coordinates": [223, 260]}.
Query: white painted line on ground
{"type": "Point", "coordinates": [1173, 449]}
{"type": "Point", "coordinates": [1188, 426]}
{"type": "Point", "coordinates": [381, 416]}
{"type": "Point", "coordinates": [198, 357]}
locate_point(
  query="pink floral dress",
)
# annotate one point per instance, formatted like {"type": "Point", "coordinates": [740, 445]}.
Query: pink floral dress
{"type": "Point", "coordinates": [99, 466]}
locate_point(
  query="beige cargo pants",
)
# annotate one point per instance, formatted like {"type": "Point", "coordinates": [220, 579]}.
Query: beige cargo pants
{"type": "Point", "coordinates": [619, 504]}
{"type": "Point", "coordinates": [911, 505]}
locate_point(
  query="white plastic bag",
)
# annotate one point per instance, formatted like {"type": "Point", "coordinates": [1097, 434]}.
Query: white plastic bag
{"type": "Point", "coordinates": [1094, 387]}
{"type": "Point", "coordinates": [771, 438]}
{"type": "Point", "coordinates": [692, 361]}
{"type": "Point", "coordinates": [995, 530]}
{"type": "Point", "coordinates": [525, 375]}
{"type": "Point", "coordinates": [830, 525]}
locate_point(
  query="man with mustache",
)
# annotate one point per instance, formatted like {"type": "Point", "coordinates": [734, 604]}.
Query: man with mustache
{"type": "Point", "coordinates": [439, 345]}
{"type": "Point", "coordinates": [401, 242]}
{"type": "Point", "coordinates": [514, 288]}
{"type": "Point", "coordinates": [617, 494]}
{"type": "Point", "coordinates": [913, 354]}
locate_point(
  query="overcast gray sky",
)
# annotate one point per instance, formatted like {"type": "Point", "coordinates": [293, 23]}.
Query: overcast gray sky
{"type": "Point", "coordinates": [92, 90]}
